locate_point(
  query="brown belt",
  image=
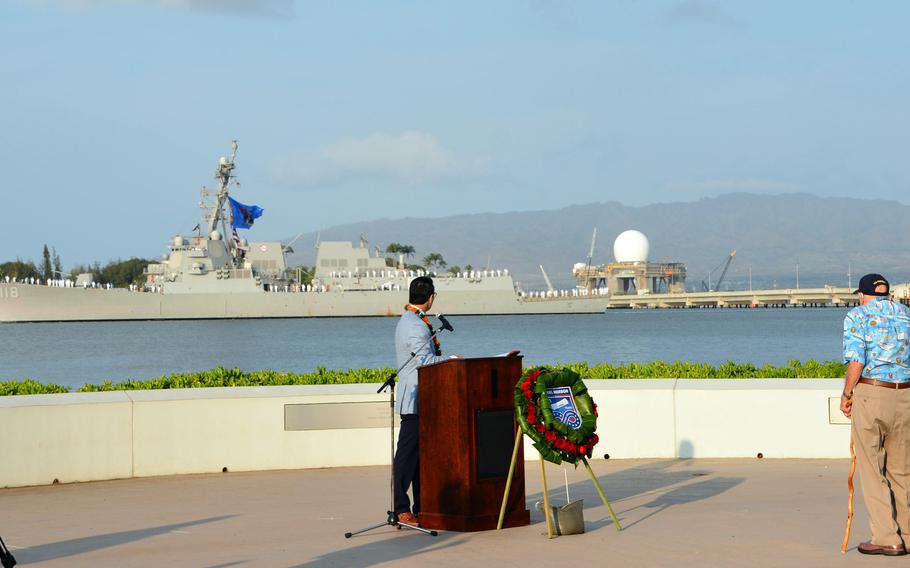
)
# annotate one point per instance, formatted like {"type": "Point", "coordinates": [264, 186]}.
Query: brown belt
{"type": "Point", "coordinates": [886, 384]}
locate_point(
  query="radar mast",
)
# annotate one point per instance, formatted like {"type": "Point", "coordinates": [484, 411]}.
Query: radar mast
{"type": "Point", "coordinates": [223, 174]}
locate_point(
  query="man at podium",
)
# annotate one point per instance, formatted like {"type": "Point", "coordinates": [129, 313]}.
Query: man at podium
{"type": "Point", "coordinates": [414, 334]}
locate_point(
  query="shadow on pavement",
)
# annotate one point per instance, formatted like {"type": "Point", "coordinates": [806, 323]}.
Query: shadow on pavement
{"type": "Point", "coordinates": [624, 484]}
{"type": "Point", "coordinates": [62, 549]}
{"type": "Point", "coordinates": [634, 482]}
{"type": "Point", "coordinates": [686, 494]}
{"type": "Point", "coordinates": [385, 545]}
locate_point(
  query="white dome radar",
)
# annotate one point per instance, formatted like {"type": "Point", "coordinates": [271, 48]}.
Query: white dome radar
{"type": "Point", "coordinates": [630, 247]}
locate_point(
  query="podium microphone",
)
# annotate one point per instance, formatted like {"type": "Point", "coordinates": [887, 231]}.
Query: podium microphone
{"type": "Point", "coordinates": [445, 323]}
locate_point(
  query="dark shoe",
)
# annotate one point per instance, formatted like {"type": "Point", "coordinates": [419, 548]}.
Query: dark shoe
{"type": "Point", "coordinates": [407, 518]}
{"type": "Point", "coordinates": [893, 550]}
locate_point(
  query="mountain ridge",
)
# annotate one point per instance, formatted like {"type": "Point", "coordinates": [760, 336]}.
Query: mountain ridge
{"type": "Point", "coordinates": [773, 234]}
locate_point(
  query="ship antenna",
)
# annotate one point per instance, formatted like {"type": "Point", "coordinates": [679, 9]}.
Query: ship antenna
{"type": "Point", "coordinates": [223, 174]}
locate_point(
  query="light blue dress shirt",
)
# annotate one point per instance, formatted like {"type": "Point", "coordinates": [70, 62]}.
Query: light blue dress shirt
{"type": "Point", "coordinates": [412, 336]}
{"type": "Point", "coordinates": [877, 336]}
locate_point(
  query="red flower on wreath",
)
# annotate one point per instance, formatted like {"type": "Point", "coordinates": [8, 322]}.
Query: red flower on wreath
{"type": "Point", "coordinates": [550, 436]}
{"type": "Point", "coordinates": [560, 444]}
{"type": "Point", "coordinates": [570, 446]}
{"type": "Point", "coordinates": [532, 419]}
{"type": "Point", "coordinates": [527, 394]}
{"type": "Point", "coordinates": [595, 410]}
{"type": "Point", "coordinates": [582, 449]}
{"type": "Point", "coordinates": [594, 439]}
{"type": "Point", "coordinates": [541, 427]}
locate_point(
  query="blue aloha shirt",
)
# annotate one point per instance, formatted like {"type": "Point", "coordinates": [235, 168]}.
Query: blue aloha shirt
{"type": "Point", "coordinates": [877, 336]}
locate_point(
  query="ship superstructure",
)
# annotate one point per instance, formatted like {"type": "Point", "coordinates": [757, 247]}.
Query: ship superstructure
{"type": "Point", "coordinates": [209, 262]}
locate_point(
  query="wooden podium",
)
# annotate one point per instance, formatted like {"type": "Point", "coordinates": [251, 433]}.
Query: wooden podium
{"type": "Point", "coordinates": [467, 433]}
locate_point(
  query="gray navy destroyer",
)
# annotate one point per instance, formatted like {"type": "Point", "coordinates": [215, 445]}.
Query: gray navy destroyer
{"type": "Point", "coordinates": [213, 274]}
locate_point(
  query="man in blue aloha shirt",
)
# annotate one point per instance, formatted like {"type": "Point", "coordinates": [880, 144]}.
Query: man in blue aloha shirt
{"type": "Point", "coordinates": [876, 398]}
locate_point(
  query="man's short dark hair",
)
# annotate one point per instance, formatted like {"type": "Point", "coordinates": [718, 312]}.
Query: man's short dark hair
{"type": "Point", "coordinates": [421, 289]}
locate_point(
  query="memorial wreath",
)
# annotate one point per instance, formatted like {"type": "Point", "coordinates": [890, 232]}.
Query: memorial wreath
{"type": "Point", "coordinates": [554, 409]}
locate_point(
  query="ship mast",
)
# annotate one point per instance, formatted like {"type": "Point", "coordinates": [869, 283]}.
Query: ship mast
{"type": "Point", "coordinates": [223, 174]}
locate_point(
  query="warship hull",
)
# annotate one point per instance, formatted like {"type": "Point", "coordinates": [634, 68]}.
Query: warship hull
{"type": "Point", "coordinates": [31, 303]}
{"type": "Point", "coordinates": [207, 276]}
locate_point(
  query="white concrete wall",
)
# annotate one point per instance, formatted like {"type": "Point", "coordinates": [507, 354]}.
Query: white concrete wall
{"type": "Point", "coordinates": [67, 437]}
{"type": "Point", "coordinates": [204, 430]}
{"type": "Point", "coordinates": [740, 418]}
{"type": "Point", "coordinates": [95, 436]}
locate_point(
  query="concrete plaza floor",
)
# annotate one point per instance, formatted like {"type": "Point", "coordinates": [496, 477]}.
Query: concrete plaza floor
{"type": "Point", "coordinates": [675, 513]}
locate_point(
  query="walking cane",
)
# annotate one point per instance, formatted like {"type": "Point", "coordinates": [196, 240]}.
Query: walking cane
{"type": "Point", "coordinates": [843, 547]}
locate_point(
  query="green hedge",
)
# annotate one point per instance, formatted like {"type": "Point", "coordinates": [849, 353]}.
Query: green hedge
{"type": "Point", "coordinates": [29, 386]}
{"type": "Point", "coordinates": [795, 369]}
{"type": "Point", "coordinates": [221, 377]}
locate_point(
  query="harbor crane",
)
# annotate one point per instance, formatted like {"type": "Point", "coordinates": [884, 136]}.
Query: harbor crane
{"type": "Point", "coordinates": [287, 248]}
{"type": "Point", "coordinates": [590, 258]}
{"type": "Point", "coordinates": [546, 278]}
{"type": "Point", "coordinates": [726, 265]}
{"type": "Point", "coordinates": [591, 251]}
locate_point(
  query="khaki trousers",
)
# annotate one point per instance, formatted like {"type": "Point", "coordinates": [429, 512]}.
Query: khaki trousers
{"type": "Point", "coordinates": [881, 438]}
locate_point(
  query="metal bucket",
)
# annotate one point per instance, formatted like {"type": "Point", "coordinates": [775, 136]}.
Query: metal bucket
{"type": "Point", "coordinates": [569, 518]}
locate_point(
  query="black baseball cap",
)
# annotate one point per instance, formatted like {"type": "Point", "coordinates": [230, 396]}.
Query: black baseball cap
{"type": "Point", "coordinates": [869, 282]}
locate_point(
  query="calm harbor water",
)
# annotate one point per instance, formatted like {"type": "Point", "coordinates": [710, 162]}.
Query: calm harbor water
{"type": "Point", "coordinates": [75, 353]}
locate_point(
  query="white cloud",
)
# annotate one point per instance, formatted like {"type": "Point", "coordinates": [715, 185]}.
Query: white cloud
{"type": "Point", "coordinates": [410, 157]}
{"type": "Point", "coordinates": [259, 8]}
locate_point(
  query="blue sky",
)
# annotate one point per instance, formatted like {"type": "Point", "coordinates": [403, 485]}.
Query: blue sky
{"type": "Point", "coordinates": [114, 113]}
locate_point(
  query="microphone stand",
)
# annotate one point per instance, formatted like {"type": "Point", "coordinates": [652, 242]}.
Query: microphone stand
{"type": "Point", "coordinates": [391, 515]}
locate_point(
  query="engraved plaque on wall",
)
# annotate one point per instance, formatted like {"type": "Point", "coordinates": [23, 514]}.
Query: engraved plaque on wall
{"type": "Point", "coordinates": [336, 416]}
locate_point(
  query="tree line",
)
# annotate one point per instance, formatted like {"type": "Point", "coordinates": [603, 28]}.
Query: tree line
{"type": "Point", "coordinates": [120, 273]}
{"type": "Point", "coordinates": [431, 262]}
{"type": "Point", "coordinates": [50, 267]}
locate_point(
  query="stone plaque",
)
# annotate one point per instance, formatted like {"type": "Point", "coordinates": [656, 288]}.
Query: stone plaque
{"type": "Point", "coordinates": [336, 416]}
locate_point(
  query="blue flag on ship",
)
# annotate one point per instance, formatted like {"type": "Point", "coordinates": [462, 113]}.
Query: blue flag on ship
{"type": "Point", "coordinates": [242, 216]}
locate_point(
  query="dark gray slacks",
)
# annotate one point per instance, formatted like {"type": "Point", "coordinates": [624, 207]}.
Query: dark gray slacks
{"type": "Point", "coordinates": [406, 471]}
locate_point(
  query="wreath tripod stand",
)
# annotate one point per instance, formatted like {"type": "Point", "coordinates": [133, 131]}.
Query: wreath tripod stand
{"type": "Point", "coordinates": [391, 515]}
{"type": "Point", "coordinates": [569, 437]}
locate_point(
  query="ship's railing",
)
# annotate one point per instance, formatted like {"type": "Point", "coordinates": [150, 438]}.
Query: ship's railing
{"type": "Point", "coordinates": [400, 273]}
{"type": "Point", "coordinates": [293, 288]}
{"type": "Point", "coordinates": [563, 294]}
{"type": "Point", "coordinates": [56, 283]}
{"type": "Point", "coordinates": [67, 283]}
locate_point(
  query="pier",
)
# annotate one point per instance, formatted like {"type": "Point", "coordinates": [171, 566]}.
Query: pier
{"type": "Point", "coordinates": [828, 296]}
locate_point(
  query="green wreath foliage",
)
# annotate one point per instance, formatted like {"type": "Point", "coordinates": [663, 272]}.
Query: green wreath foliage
{"type": "Point", "coordinates": [556, 441]}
